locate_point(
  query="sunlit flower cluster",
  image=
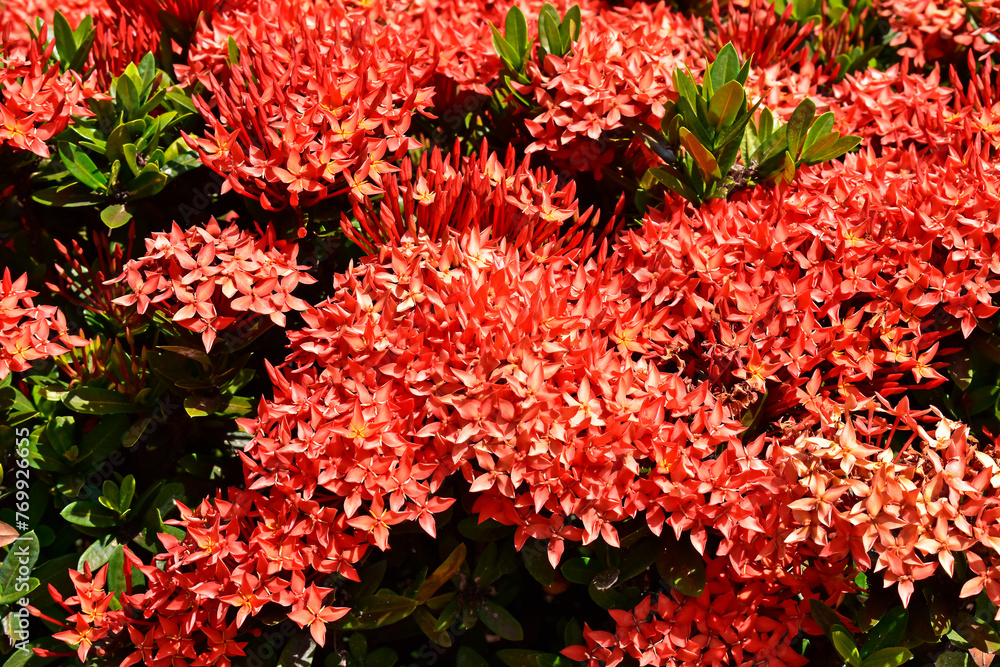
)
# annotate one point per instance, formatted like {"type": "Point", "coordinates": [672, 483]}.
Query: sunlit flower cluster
{"type": "Point", "coordinates": [317, 103]}
{"type": "Point", "coordinates": [208, 279]}
{"type": "Point", "coordinates": [36, 100]}
{"type": "Point", "coordinates": [29, 332]}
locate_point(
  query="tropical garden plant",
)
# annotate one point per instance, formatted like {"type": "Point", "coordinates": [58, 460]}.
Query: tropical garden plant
{"type": "Point", "coordinates": [374, 333]}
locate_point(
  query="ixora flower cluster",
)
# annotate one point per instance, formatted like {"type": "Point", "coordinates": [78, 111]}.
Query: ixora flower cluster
{"type": "Point", "coordinates": [734, 417]}
{"type": "Point", "coordinates": [29, 332]}
{"type": "Point", "coordinates": [208, 279]}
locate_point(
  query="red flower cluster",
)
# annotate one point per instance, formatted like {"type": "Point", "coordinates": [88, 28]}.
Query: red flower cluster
{"type": "Point", "coordinates": [36, 101]}
{"type": "Point", "coordinates": [819, 503]}
{"type": "Point", "coordinates": [29, 332]}
{"type": "Point", "coordinates": [17, 15]}
{"type": "Point", "coordinates": [621, 67]}
{"type": "Point", "coordinates": [318, 99]}
{"type": "Point", "coordinates": [527, 207]}
{"type": "Point", "coordinates": [207, 279]}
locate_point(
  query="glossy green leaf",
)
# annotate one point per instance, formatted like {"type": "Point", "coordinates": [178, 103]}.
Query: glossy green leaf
{"type": "Point", "coordinates": [571, 24]}
{"type": "Point", "coordinates": [89, 515]}
{"type": "Point", "coordinates": [467, 657]}
{"type": "Point", "coordinates": [96, 401]}
{"type": "Point", "coordinates": [427, 623]}
{"type": "Point", "coordinates": [841, 145]}
{"type": "Point", "coordinates": [499, 620]}
{"type": "Point", "coordinates": [842, 640]}
{"type": "Point", "coordinates": [888, 657]}
{"type": "Point", "coordinates": [115, 216]}
{"type": "Point", "coordinates": [725, 67]}
{"type": "Point", "coordinates": [233, 51]}
{"type": "Point", "coordinates": [81, 166]}
{"type": "Point", "coordinates": [65, 39]}
{"type": "Point", "coordinates": [726, 105]}
{"type": "Point", "coordinates": [508, 54]}
{"type": "Point", "coordinates": [887, 632]}
{"type": "Point", "coordinates": [377, 611]}
{"type": "Point", "coordinates": [682, 567]}
{"type": "Point", "coordinates": [516, 31]}
{"type": "Point", "coordinates": [22, 553]}
{"type": "Point", "coordinates": [798, 126]}
{"type": "Point", "coordinates": [149, 182]}
{"type": "Point", "coordinates": [299, 652]}
{"type": "Point", "coordinates": [536, 562]}
{"type": "Point", "coordinates": [702, 156]}
{"type": "Point", "coordinates": [548, 30]}
{"type": "Point", "coordinates": [445, 571]}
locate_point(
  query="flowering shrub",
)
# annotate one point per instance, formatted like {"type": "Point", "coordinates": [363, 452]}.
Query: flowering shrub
{"type": "Point", "coordinates": [644, 335]}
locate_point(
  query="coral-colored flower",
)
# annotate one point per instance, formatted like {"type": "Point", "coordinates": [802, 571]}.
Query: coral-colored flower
{"type": "Point", "coordinates": [207, 279]}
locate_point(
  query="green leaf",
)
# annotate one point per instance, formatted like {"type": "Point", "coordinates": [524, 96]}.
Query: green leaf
{"type": "Point", "coordinates": [27, 658]}
{"type": "Point", "coordinates": [467, 657]}
{"type": "Point", "coordinates": [487, 531]}
{"type": "Point", "coordinates": [798, 125]}
{"type": "Point", "coordinates": [126, 92]}
{"type": "Point", "coordinates": [499, 620]}
{"type": "Point", "coordinates": [126, 493]}
{"type": "Point", "coordinates": [301, 648]}
{"type": "Point", "coordinates": [65, 39]}
{"type": "Point", "coordinates": [149, 182]}
{"type": "Point", "coordinates": [888, 657]}
{"type": "Point", "coordinates": [22, 553]}
{"type": "Point", "coordinates": [377, 611]}
{"type": "Point", "coordinates": [842, 640]}
{"type": "Point", "coordinates": [841, 146]}
{"type": "Point", "coordinates": [84, 42]}
{"type": "Point", "coordinates": [110, 495]}
{"type": "Point", "coordinates": [954, 659]}
{"type": "Point", "coordinates": [381, 657]}
{"type": "Point", "coordinates": [81, 166]}
{"type": "Point", "coordinates": [131, 153]}
{"type": "Point", "coordinates": [580, 570]}
{"type": "Point", "coordinates": [570, 27]}
{"type": "Point", "coordinates": [766, 125]}
{"type": "Point", "coordinates": [488, 567]}
{"type": "Point", "coordinates": [427, 623]}
{"type": "Point", "coordinates": [103, 439]}
{"type": "Point", "coordinates": [516, 31]}
{"type": "Point", "coordinates": [639, 558]}
{"type": "Point", "coordinates": [686, 89]}
{"type": "Point", "coordinates": [702, 156]}
{"type": "Point", "coordinates": [97, 554]}
{"type": "Point", "coordinates": [445, 571]}
{"type": "Point", "coordinates": [536, 561]}
{"type": "Point", "coordinates": [519, 657]}
{"type": "Point", "coordinates": [887, 632]}
{"type": "Point", "coordinates": [820, 127]}
{"type": "Point", "coordinates": [147, 72]}
{"type": "Point", "coordinates": [668, 178]}
{"type": "Point", "coordinates": [726, 66]}
{"type": "Point", "coordinates": [95, 401]}
{"type": "Point", "coordinates": [115, 216]}
{"type": "Point", "coordinates": [548, 30]}
{"type": "Point", "coordinates": [726, 105]}
{"type": "Point", "coordinates": [89, 515]}
{"type": "Point", "coordinates": [744, 72]}
{"type": "Point", "coordinates": [682, 567]}
{"type": "Point", "coordinates": [233, 51]}
{"type": "Point", "coordinates": [693, 122]}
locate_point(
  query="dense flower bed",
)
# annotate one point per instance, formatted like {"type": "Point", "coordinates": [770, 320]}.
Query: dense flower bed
{"type": "Point", "coordinates": [541, 335]}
